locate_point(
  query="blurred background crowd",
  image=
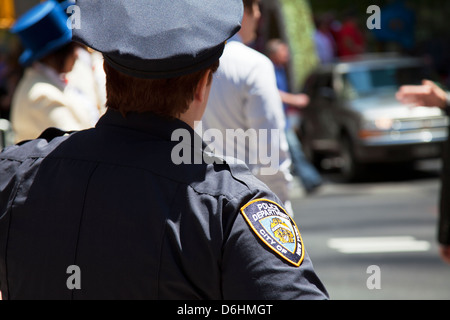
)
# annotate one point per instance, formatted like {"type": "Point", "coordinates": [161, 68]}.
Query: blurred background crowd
{"type": "Point", "coordinates": [306, 26]}
{"type": "Point", "coordinates": [312, 34]}
{"type": "Point", "coordinates": [316, 31]}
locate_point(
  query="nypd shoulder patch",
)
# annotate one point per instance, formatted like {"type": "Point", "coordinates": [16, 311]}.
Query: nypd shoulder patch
{"type": "Point", "coordinates": [275, 228]}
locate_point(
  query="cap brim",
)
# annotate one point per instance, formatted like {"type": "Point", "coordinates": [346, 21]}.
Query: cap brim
{"type": "Point", "coordinates": [159, 70]}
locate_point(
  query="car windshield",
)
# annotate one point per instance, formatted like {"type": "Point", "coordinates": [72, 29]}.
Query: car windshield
{"type": "Point", "coordinates": [364, 82]}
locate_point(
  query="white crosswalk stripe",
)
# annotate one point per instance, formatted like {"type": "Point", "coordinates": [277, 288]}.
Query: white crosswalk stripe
{"type": "Point", "coordinates": [378, 245]}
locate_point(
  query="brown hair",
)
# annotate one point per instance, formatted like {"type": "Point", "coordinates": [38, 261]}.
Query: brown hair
{"type": "Point", "coordinates": [273, 45]}
{"type": "Point", "coordinates": [57, 59]}
{"type": "Point", "coordinates": [166, 97]}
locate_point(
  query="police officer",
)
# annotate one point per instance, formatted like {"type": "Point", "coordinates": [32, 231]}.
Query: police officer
{"type": "Point", "coordinates": [137, 208]}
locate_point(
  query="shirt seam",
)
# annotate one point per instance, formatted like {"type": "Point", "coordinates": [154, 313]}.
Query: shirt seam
{"type": "Point", "coordinates": [81, 220]}
{"type": "Point", "coordinates": [161, 251]}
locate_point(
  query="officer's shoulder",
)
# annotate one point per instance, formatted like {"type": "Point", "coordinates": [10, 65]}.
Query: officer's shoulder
{"type": "Point", "coordinates": [229, 177]}
{"type": "Point", "coordinates": [242, 175]}
{"type": "Point", "coordinates": [35, 148]}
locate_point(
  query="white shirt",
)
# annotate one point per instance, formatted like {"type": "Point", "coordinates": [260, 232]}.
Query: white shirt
{"type": "Point", "coordinates": [244, 95]}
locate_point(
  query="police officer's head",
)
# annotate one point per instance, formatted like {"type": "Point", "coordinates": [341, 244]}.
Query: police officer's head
{"type": "Point", "coordinates": [156, 53]}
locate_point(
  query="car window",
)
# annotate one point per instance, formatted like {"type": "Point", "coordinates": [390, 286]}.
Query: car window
{"type": "Point", "coordinates": [364, 82]}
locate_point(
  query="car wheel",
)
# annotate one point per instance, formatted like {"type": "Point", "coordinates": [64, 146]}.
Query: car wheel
{"type": "Point", "coordinates": [351, 169]}
{"type": "Point", "coordinates": [308, 150]}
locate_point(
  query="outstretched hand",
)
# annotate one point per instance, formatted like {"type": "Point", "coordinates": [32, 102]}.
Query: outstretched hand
{"type": "Point", "coordinates": [428, 94]}
{"type": "Point", "coordinates": [299, 100]}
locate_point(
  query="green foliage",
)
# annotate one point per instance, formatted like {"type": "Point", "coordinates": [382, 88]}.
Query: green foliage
{"type": "Point", "coordinates": [300, 30]}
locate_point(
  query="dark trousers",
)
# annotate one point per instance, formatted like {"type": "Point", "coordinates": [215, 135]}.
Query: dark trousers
{"type": "Point", "coordinates": [444, 210]}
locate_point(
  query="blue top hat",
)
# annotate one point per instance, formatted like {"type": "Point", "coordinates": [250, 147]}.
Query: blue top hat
{"type": "Point", "coordinates": [42, 30]}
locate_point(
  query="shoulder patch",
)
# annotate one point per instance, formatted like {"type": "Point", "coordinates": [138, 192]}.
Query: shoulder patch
{"type": "Point", "coordinates": [275, 228]}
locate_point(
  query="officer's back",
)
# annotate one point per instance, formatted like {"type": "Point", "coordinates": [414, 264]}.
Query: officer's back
{"type": "Point", "coordinates": [117, 208]}
{"type": "Point", "coordinates": [112, 212]}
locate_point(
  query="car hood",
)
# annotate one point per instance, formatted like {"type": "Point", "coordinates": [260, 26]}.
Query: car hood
{"type": "Point", "coordinates": [387, 106]}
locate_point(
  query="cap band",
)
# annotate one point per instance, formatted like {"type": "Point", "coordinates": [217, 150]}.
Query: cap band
{"type": "Point", "coordinates": [148, 69]}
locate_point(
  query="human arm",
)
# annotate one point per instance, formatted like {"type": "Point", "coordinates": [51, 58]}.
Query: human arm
{"type": "Point", "coordinates": [298, 101]}
{"type": "Point", "coordinates": [256, 265]}
{"type": "Point", "coordinates": [428, 94]}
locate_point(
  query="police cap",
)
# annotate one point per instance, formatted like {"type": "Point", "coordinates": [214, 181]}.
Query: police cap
{"type": "Point", "coordinates": [156, 39]}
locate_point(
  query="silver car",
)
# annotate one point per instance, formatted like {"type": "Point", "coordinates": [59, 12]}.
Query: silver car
{"type": "Point", "coordinates": [354, 116]}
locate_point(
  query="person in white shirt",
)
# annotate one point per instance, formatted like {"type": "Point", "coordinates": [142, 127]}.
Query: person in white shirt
{"type": "Point", "coordinates": [245, 102]}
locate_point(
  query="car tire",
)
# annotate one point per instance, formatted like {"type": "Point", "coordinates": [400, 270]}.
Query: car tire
{"type": "Point", "coordinates": [351, 169]}
{"type": "Point", "coordinates": [308, 150]}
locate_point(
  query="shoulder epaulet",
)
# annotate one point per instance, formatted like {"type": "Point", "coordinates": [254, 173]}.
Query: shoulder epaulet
{"type": "Point", "coordinates": [49, 134]}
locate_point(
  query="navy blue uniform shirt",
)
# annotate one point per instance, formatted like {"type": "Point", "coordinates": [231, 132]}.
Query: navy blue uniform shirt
{"type": "Point", "coordinates": [111, 201]}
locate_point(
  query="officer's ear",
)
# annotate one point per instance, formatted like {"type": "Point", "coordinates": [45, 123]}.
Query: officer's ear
{"type": "Point", "coordinates": [198, 104]}
{"type": "Point", "coordinates": [203, 87]}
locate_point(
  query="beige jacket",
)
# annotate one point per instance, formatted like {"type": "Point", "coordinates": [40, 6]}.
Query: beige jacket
{"type": "Point", "coordinates": [42, 100]}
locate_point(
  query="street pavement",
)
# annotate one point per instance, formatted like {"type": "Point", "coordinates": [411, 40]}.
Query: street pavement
{"type": "Point", "coordinates": [376, 239]}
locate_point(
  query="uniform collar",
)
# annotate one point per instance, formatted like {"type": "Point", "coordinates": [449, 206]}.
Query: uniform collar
{"type": "Point", "coordinates": [149, 123]}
